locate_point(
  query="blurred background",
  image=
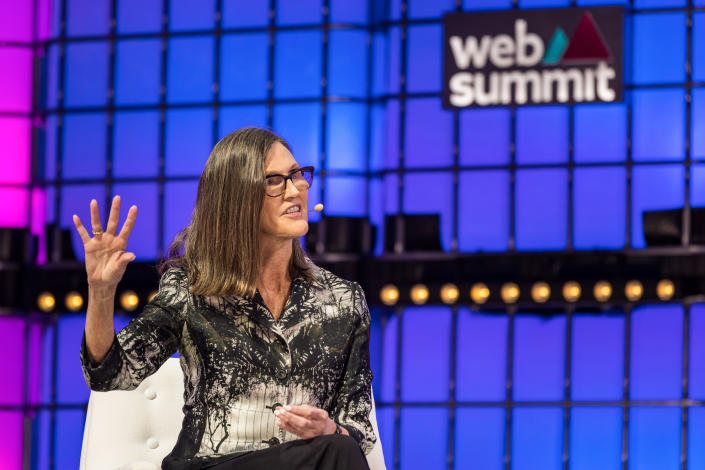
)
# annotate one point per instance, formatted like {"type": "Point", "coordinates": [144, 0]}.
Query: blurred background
{"type": "Point", "coordinates": [535, 273]}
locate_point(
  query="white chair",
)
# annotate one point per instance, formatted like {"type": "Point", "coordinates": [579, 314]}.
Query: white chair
{"type": "Point", "coordinates": [135, 430]}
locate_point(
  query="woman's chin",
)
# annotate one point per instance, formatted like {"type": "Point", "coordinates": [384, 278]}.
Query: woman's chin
{"type": "Point", "coordinates": [298, 229]}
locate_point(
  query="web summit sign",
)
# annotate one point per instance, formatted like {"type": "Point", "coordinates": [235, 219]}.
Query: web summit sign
{"type": "Point", "coordinates": [571, 55]}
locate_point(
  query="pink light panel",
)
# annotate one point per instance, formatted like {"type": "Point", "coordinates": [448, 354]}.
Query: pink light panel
{"type": "Point", "coordinates": [16, 20]}
{"type": "Point", "coordinates": [12, 367]}
{"type": "Point", "coordinates": [16, 79]}
{"type": "Point", "coordinates": [15, 138]}
{"type": "Point", "coordinates": [14, 207]}
{"type": "Point", "coordinates": [35, 364]}
{"type": "Point", "coordinates": [11, 440]}
{"type": "Point", "coordinates": [43, 19]}
{"type": "Point", "coordinates": [12, 349]}
{"type": "Point", "coordinates": [17, 28]}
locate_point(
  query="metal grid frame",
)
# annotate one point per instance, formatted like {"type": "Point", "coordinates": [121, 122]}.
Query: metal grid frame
{"type": "Point", "coordinates": [685, 403]}
{"type": "Point", "coordinates": [402, 96]}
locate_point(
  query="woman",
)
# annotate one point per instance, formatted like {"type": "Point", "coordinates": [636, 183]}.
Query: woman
{"type": "Point", "coordinates": [274, 349]}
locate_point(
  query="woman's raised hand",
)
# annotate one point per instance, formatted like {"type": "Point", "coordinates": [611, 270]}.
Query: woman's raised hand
{"type": "Point", "coordinates": [106, 258]}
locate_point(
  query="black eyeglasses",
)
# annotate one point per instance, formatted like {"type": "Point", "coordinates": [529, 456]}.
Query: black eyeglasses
{"type": "Point", "coordinates": [302, 179]}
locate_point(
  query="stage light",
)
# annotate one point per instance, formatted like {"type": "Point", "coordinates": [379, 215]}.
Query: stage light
{"type": "Point", "coordinates": [571, 291]}
{"type": "Point", "coordinates": [449, 293]}
{"type": "Point", "coordinates": [389, 295]}
{"type": "Point", "coordinates": [634, 290]}
{"type": "Point", "coordinates": [419, 294]}
{"type": "Point", "coordinates": [73, 301]}
{"type": "Point", "coordinates": [510, 293]}
{"type": "Point", "coordinates": [602, 291]}
{"type": "Point", "coordinates": [46, 302]}
{"type": "Point", "coordinates": [540, 292]}
{"type": "Point", "coordinates": [151, 296]}
{"type": "Point", "coordinates": [665, 289]}
{"type": "Point", "coordinates": [129, 300]}
{"type": "Point", "coordinates": [479, 293]}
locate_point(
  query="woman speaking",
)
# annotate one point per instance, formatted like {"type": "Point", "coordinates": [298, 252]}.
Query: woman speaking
{"type": "Point", "coordinates": [274, 349]}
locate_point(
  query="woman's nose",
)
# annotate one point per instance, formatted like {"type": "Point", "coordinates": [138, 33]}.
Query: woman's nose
{"type": "Point", "coordinates": [290, 189]}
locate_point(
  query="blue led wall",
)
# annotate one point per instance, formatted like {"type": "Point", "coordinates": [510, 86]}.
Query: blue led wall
{"type": "Point", "coordinates": [362, 136]}
{"type": "Point", "coordinates": [137, 92]}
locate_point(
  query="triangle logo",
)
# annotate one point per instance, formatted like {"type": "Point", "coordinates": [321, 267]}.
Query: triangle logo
{"type": "Point", "coordinates": [555, 48]}
{"type": "Point", "coordinates": [586, 42]}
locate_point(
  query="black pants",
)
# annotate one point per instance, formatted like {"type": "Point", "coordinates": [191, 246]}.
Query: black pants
{"type": "Point", "coordinates": [330, 452]}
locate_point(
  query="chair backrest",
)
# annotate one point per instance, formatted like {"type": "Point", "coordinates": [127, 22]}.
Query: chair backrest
{"type": "Point", "coordinates": [135, 430]}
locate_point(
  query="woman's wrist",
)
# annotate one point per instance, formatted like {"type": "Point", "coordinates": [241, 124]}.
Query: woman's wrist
{"type": "Point", "coordinates": [334, 428]}
{"type": "Point", "coordinates": [331, 427]}
{"type": "Point", "coordinates": [100, 292]}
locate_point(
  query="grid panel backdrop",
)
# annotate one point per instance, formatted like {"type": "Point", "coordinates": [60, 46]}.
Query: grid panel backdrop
{"type": "Point", "coordinates": [22, 207]}
{"type": "Point", "coordinates": [138, 92]}
{"type": "Point", "coordinates": [576, 390]}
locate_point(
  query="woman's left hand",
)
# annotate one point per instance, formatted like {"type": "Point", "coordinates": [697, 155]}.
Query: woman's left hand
{"type": "Point", "coordinates": [305, 421]}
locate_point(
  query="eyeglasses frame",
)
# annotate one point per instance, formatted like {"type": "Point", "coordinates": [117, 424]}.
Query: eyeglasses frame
{"type": "Point", "coordinates": [289, 178]}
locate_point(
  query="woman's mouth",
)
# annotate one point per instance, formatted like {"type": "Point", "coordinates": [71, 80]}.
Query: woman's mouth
{"type": "Point", "coordinates": [293, 211]}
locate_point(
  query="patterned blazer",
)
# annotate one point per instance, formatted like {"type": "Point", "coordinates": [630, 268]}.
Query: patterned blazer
{"type": "Point", "coordinates": [239, 364]}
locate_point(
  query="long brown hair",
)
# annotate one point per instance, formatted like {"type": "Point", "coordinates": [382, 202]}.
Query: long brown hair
{"type": "Point", "coordinates": [219, 248]}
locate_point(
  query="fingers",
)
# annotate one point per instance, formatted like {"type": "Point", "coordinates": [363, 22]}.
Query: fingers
{"type": "Point", "coordinates": [307, 411]}
{"type": "Point", "coordinates": [95, 218]}
{"type": "Point", "coordinates": [292, 419]}
{"type": "Point", "coordinates": [121, 259]}
{"type": "Point", "coordinates": [126, 257]}
{"type": "Point", "coordinates": [82, 232]}
{"type": "Point", "coordinates": [302, 420]}
{"type": "Point", "coordinates": [296, 425]}
{"type": "Point", "coordinates": [129, 224]}
{"type": "Point", "coordinates": [287, 428]}
{"type": "Point", "coordinates": [116, 266]}
{"type": "Point", "coordinates": [114, 217]}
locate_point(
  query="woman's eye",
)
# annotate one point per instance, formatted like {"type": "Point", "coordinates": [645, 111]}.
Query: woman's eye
{"type": "Point", "coordinates": [274, 180]}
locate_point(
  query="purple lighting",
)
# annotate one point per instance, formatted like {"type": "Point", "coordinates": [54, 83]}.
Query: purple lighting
{"type": "Point", "coordinates": [16, 79]}
{"type": "Point", "coordinates": [16, 20]}
{"type": "Point", "coordinates": [15, 134]}
{"type": "Point", "coordinates": [43, 17]}
{"type": "Point", "coordinates": [14, 207]}
{"type": "Point", "coordinates": [17, 28]}
{"type": "Point", "coordinates": [12, 367]}
{"type": "Point", "coordinates": [11, 438]}
{"type": "Point", "coordinates": [12, 391]}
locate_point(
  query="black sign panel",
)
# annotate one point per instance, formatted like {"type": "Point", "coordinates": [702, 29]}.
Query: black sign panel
{"type": "Point", "coordinates": [533, 57]}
